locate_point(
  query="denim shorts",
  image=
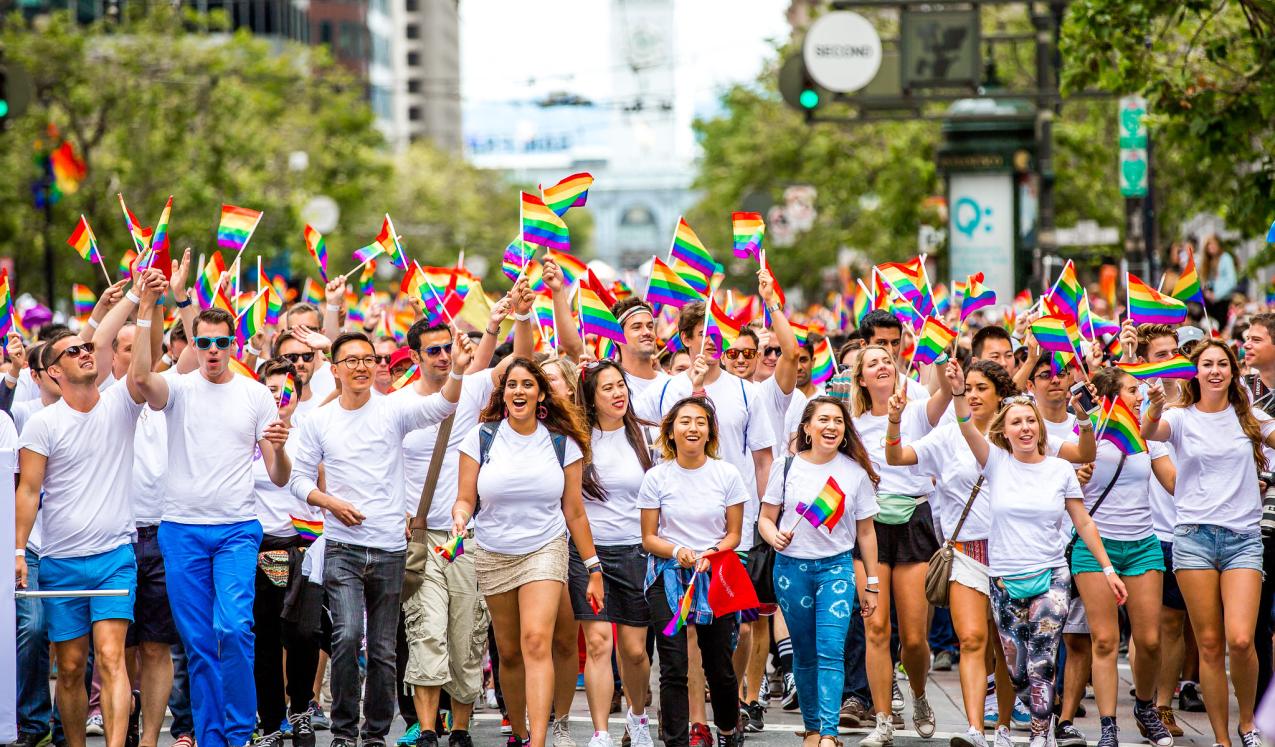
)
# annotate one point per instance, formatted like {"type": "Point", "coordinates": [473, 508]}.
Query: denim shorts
{"type": "Point", "coordinates": [72, 617]}
{"type": "Point", "coordinates": [1128, 557]}
{"type": "Point", "coordinates": [1199, 547]}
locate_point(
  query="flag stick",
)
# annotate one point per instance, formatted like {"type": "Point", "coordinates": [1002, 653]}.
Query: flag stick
{"type": "Point", "coordinates": [673, 241]}
{"type": "Point", "coordinates": [929, 291]}
{"type": "Point", "coordinates": [248, 238]}
{"type": "Point", "coordinates": [258, 274]}
{"type": "Point", "coordinates": [248, 308]}
{"type": "Point", "coordinates": [647, 291]}
{"type": "Point", "coordinates": [450, 321]}
{"type": "Point", "coordinates": [358, 267]}
{"type": "Point", "coordinates": [105, 274]}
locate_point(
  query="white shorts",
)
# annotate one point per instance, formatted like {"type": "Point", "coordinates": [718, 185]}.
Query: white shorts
{"type": "Point", "coordinates": [967, 571]}
{"type": "Point", "coordinates": [1077, 622]}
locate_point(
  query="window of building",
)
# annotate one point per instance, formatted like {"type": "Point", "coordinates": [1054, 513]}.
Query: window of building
{"type": "Point", "coordinates": [380, 50]}
{"type": "Point", "coordinates": [414, 85]}
{"type": "Point", "coordinates": [325, 32]}
{"type": "Point", "coordinates": [412, 6]}
{"type": "Point", "coordinates": [381, 102]}
{"type": "Point", "coordinates": [413, 59]}
{"type": "Point", "coordinates": [414, 113]}
{"type": "Point", "coordinates": [413, 31]}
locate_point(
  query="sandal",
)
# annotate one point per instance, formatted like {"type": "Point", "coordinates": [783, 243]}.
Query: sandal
{"type": "Point", "coordinates": [835, 742]}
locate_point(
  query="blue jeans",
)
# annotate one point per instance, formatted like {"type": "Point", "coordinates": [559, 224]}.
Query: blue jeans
{"type": "Point", "coordinates": [818, 600]}
{"type": "Point", "coordinates": [179, 699]}
{"type": "Point", "coordinates": [35, 706]}
{"type": "Point", "coordinates": [211, 570]}
{"type": "Point", "coordinates": [942, 634]}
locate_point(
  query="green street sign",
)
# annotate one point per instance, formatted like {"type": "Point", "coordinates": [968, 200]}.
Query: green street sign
{"type": "Point", "coordinates": [1133, 146]}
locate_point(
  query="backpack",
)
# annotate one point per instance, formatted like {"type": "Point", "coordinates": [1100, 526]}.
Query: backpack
{"type": "Point", "coordinates": [487, 435]}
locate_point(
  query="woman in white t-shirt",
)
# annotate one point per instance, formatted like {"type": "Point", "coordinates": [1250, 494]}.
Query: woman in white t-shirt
{"type": "Point", "coordinates": [692, 505]}
{"type": "Point", "coordinates": [1217, 545]}
{"type": "Point", "coordinates": [817, 504]}
{"type": "Point", "coordinates": [621, 455]}
{"type": "Point", "coordinates": [526, 461]}
{"type": "Point", "coordinates": [1123, 519]}
{"type": "Point", "coordinates": [906, 538]}
{"type": "Point", "coordinates": [944, 456]}
{"type": "Point", "coordinates": [1031, 495]}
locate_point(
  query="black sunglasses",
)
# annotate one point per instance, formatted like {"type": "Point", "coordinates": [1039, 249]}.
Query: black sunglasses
{"type": "Point", "coordinates": [774, 350]}
{"type": "Point", "coordinates": [222, 342]}
{"type": "Point", "coordinates": [434, 350]}
{"type": "Point", "coordinates": [295, 357]}
{"type": "Point", "coordinates": [73, 351]}
{"type": "Point", "coordinates": [382, 359]}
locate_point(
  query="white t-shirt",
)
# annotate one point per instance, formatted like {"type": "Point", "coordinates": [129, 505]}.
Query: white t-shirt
{"type": "Point", "coordinates": [639, 386]}
{"type": "Point", "coordinates": [792, 421]}
{"type": "Point", "coordinates": [1028, 512]}
{"type": "Point", "coordinates": [915, 390]}
{"type": "Point", "coordinates": [804, 483]}
{"type": "Point", "coordinates": [26, 388]}
{"type": "Point", "coordinates": [693, 503]}
{"type": "Point", "coordinates": [418, 448]}
{"type": "Point", "coordinates": [615, 521]}
{"type": "Point", "coordinates": [1125, 514]}
{"type": "Point", "coordinates": [1163, 513]}
{"type": "Point", "coordinates": [944, 455]}
{"type": "Point", "coordinates": [21, 412]}
{"type": "Point", "coordinates": [1058, 434]}
{"type": "Point", "coordinates": [277, 505]}
{"type": "Point", "coordinates": [1217, 477]}
{"type": "Point", "coordinates": [775, 403]}
{"type": "Point", "coordinates": [322, 383]}
{"type": "Point", "coordinates": [150, 465]}
{"type": "Point", "coordinates": [520, 489]}
{"type": "Point", "coordinates": [915, 424]}
{"type": "Point", "coordinates": [213, 430]}
{"type": "Point", "coordinates": [362, 456]}
{"type": "Point", "coordinates": [86, 479]}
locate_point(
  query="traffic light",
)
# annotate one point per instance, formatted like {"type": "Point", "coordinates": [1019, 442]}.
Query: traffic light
{"type": "Point", "coordinates": [4, 98]}
{"type": "Point", "coordinates": [799, 90]}
{"type": "Point", "coordinates": [809, 97]}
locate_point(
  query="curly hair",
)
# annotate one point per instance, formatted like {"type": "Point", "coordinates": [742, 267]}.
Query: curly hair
{"type": "Point", "coordinates": [561, 417]}
{"type": "Point", "coordinates": [586, 399]}
{"type": "Point", "coordinates": [1108, 382]}
{"type": "Point", "coordinates": [1235, 395]}
{"type": "Point", "coordinates": [994, 372]}
{"type": "Point", "coordinates": [851, 444]}
{"type": "Point", "coordinates": [668, 447]}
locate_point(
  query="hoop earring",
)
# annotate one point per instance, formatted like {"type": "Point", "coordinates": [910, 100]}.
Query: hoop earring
{"type": "Point", "coordinates": [504, 413]}
{"type": "Point", "coordinates": [542, 412]}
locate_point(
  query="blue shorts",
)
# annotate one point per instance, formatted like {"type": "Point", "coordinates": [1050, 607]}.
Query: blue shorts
{"type": "Point", "coordinates": [1128, 557]}
{"type": "Point", "coordinates": [1208, 547]}
{"type": "Point", "coordinates": [72, 617]}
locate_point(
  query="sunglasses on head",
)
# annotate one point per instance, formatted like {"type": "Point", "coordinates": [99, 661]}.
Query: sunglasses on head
{"type": "Point", "coordinates": [734, 353]}
{"type": "Point", "coordinates": [434, 350]}
{"type": "Point", "coordinates": [222, 342]}
{"type": "Point", "coordinates": [297, 357]}
{"type": "Point", "coordinates": [74, 351]}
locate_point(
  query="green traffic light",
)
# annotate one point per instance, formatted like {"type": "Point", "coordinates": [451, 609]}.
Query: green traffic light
{"type": "Point", "coordinates": [809, 98]}
{"type": "Point", "coordinates": [4, 108]}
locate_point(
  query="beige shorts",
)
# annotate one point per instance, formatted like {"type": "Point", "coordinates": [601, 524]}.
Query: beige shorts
{"type": "Point", "coordinates": [446, 627]}
{"type": "Point", "coordinates": [499, 573]}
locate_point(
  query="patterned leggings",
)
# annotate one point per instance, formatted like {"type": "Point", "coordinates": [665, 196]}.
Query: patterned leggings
{"type": "Point", "coordinates": [1030, 630]}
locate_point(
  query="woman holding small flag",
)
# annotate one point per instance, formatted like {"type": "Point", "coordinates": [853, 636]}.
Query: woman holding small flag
{"type": "Point", "coordinates": [692, 506]}
{"type": "Point", "coordinates": [830, 479]}
{"type": "Point", "coordinates": [906, 537]}
{"type": "Point", "coordinates": [1030, 579]}
{"type": "Point", "coordinates": [1217, 546]}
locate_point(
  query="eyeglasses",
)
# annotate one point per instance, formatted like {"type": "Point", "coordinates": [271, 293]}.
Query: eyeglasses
{"type": "Point", "coordinates": [382, 359]}
{"type": "Point", "coordinates": [352, 362]}
{"type": "Point", "coordinates": [294, 358]}
{"type": "Point", "coordinates": [223, 342]}
{"type": "Point", "coordinates": [434, 350]}
{"type": "Point", "coordinates": [74, 351]}
{"type": "Point", "coordinates": [747, 353]}
{"type": "Point", "coordinates": [774, 350]}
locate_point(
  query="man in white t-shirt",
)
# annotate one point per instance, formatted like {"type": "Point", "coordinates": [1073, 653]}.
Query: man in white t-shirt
{"type": "Point", "coordinates": [210, 534]}
{"type": "Point", "coordinates": [639, 355]}
{"type": "Point", "coordinates": [358, 439]}
{"type": "Point", "coordinates": [80, 450]}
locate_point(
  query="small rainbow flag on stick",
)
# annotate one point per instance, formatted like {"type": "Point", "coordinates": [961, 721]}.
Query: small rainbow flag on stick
{"type": "Point", "coordinates": [690, 251]}
{"type": "Point", "coordinates": [236, 227]}
{"type": "Point", "coordinates": [667, 287]}
{"type": "Point", "coordinates": [206, 285]}
{"type": "Point", "coordinates": [6, 305]}
{"type": "Point", "coordinates": [934, 339]}
{"type": "Point", "coordinates": [977, 296]}
{"type": "Point", "coordinates": [748, 230]}
{"type": "Point", "coordinates": [411, 374]}
{"type": "Point", "coordinates": [1149, 306]}
{"type": "Point", "coordinates": [678, 622]}
{"type": "Point", "coordinates": [287, 391]}
{"type": "Point", "coordinates": [1187, 288]}
{"type": "Point", "coordinates": [318, 249]}
{"type": "Point", "coordinates": [1177, 367]}
{"type": "Point", "coordinates": [541, 226]}
{"type": "Point", "coordinates": [1051, 333]}
{"type": "Point", "coordinates": [596, 318]}
{"type": "Point", "coordinates": [828, 507]}
{"type": "Point", "coordinates": [568, 193]}
{"type": "Point", "coordinates": [823, 366]}
{"type": "Point", "coordinates": [451, 549]}
{"type": "Point", "coordinates": [572, 268]}
{"type": "Point", "coordinates": [387, 239]}
{"type": "Point", "coordinates": [720, 327]}
{"type": "Point", "coordinates": [1122, 428]}
{"type": "Point", "coordinates": [82, 299]}
{"type": "Point", "coordinates": [307, 529]}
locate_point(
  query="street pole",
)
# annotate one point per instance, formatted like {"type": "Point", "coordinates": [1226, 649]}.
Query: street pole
{"type": "Point", "coordinates": [1046, 25]}
{"type": "Point", "coordinates": [49, 269]}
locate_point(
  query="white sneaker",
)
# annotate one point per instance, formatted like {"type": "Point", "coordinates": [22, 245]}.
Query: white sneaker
{"type": "Point", "coordinates": [922, 716]}
{"type": "Point", "coordinates": [970, 738]}
{"type": "Point", "coordinates": [561, 732]}
{"type": "Point", "coordinates": [93, 726]}
{"type": "Point", "coordinates": [882, 735]}
{"type": "Point", "coordinates": [639, 730]}
{"type": "Point", "coordinates": [601, 739]}
{"type": "Point", "coordinates": [1002, 738]}
{"type": "Point", "coordinates": [896, 698]}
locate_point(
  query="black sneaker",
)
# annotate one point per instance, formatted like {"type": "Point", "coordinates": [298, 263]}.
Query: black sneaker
{"type": "Point", "coordinates": [789, 701]}
{"type": "Point", "coordinates": [302, 731]}
{"type": "Point", "coordinates": [1250, 738]}
{"type": "Point", "coordinates": [1150, 726]}
{"type": "Point", "coordinates": [427, 739]}
{"type": "Point", "coordinates": [752, 716]}
{"type": "Point", "coordinates": [133, 737]}
{"type": "Point", "coordinates": [514, 741]}
{"type": "Point", "coordinates": [32, 740]}
{"type": "Point", "coordinates": [459, 738]}
{"type": "Point", "coordinates": [343, 742]}
{"type": "Point", "coordinates": [1189, 698]}
{"type": "Point", "coordinates": [1110, 736]}
{"type": "Point", "coordinates": [273, 739]}
{"type": "Point", "coordinates": [729, 740]}
{"type": "Point", "coordinates": [1067, 735]}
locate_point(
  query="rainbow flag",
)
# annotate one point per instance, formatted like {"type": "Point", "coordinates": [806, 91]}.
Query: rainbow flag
{"type": "Point", "coordinates": [828, 507]}
{"type": "Point", "coordinates": [209, 277]}
{"type": "Point", "coordinates": [1023, 300]}
{"type": "Point", "coordinates": [691, 252]}
{"type": "Point", "coordinates": [240, 368]}
{"type": "Point", "coordinates": [312, 292]}
{"type": "Point", "coordinates": [572, 268]}
{"type": "Point", "coordinates": [287, 391]}
{"type": "Point", "coordinates": [159, 243]}
{"type": "Point", "coordinates": [748, 230]}
{"type": "Point", "coordinates": [977, 296]}
{"type": "Point", "coordinates": [84, 242]}
{"type": "Point", "coordinates": [668, 287]}
{"type": "Point", "coordinates": [1052, 333]}
{"type": "Point", "coordinates": [125, 268]}
{"type": "Point", "coordinates": [1177, 367]}
{"type": "Point", "coordinates": [934, 340]}
{"type": "Point", "coordinates": [82, 299]}
{"type": "Point", "coordinates": [409, 376]}
{"type": "Point", "coordinates": [236, 227]}
{"type": "Point", "coordinates": [1187, 288]}
{"type": "Point", "coordinates": [800, 331]}
{"type": "Point", "coordinates": [596, 318]}
{"type": "Point", "coordinates": [541, 226]}
{"type": "Point", "coordinates": [720, 327]}
{"type": "Point", "coordinates": [251, 320]}
{"type": "Point", "coordinates": [140, 234]}
{"type": "Point", "coordinates": [542, 306]}
{"type": "Point", "coordinates": [318, 248]}
{"type": "Point", "coordinates": [274, 305]}
{"type": "Point", "coordinates": [905, 313]}
{"type": "Point", "coordinates": [1122, 428]}
{"type": "Point", "coordinates": [1149, 306]}
{"type": "Point", "coordinates": [691, 276]}
{"type": "Point", "coordinates": [367, 254]}
{"type": "Point", "coordinates": [822, 367]}
{"type": "Point", "coordinates": [678, 622]}
{"type": "Point", "coordinates": [514, 260]}
{"type": "Point", "coordinates": [862, 303]}
{"type": "Point", "coordinates": [387, 239]}
{"type": "Point", "coordinates": [572, 191]}
{"type": "Point", "coordinates": [908, 278]}
{"type": "Point", "coordinates": [451, 549]}
{"type": "Point", "coordinates": [942, 301]}
{"type": "Point", "coordinates": [1067, 290]}
{"type": "Point", "coordinates": [307, 529]}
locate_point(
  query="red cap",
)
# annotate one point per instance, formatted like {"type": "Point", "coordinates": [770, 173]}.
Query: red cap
{"type": "Point", "coordinates": [399, 356]}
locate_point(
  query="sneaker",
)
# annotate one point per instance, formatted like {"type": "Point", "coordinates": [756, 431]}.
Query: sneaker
{"type": "Point", "coordinates": [1002, 738]}
{"type": "Point", "coordinates": [505, 726]}
{"type": "Point", "coordinates": [763, 694]}
{"type": "Point", "coordinates": [1150, 726]}
{"type": "Point", "coordinates": [922, 716]}
{"type": "Point", "coordinates": [1039, 740]}
{"type": "Point", "coordinates": [93, 726]}
{"type": "Point", "coordinates": [1189, 700]}
{"type": "Point", "coordinates": [185, 740]}
{"type": "Point", "coordinates": [701, 736]}
{"type": "Point", "coordinates": [853, 712]}
{"type": "Point", "coordinates": [638, 730]}
{"type": "Point", "coordinates": [991, 718]}
{"type": "Point", "coordinates": [514, 741]}
{"type": "Point", "coordinates": [1020, 718]}
{"type": "Point", "coordinates": [460, 738]}
{"type": "Point", "coordinates": [882, 735]}
{"type": "Point", "coordinates": [1250, 738]}
{"type": "Point", "coordinates": [373, 742]}
{"type": "Point", "coordinates": [1110, 735]}
{"type": "Point", "coordinates": [970, 738]}
{"type": "Point", "coordinates": [601, 739]}
{"type": "Point", "coordinates": [729, 740]}
{"type": "Point", "coordinates": [490, 697]}
{"type": "Point", "coordinates": [424, 738]}
{"type": "Point", "coordinates": [410, 736]}
{"type": "Point", "coordinates": [615, 702]}
{"type": "Point", "coordinates": [318, 719]}
{"type": "Point", "coordinates": [1170, 722]}
{"type": "Point", "coordinates": [752, 716]}
{"type": "Point", "coordinates": [1067, 735]}
{"type": "Point", "coordinates": [273, 739]}
{"type": "Point", "coordinates": [133, 736]}
{"type": "Point", "coordinates": [33, 740]}
{"type": "Point", "coordinates": [561, 732]}
{"type": "Point", "coordinates": [286, 728]}
{"type": "Point", "coordinates": [580, 681]}
{"type": "Point", "coordinates": [943, 662]}
{"type": "Point", "coordinates": [302, 731]}
{"type": "Point", "coordinates": [789, 701]}
{"type": "Point", "coordinates": [896, 697]}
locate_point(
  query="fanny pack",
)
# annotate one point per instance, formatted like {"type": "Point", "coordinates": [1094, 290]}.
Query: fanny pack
{"type": "Point", "coordinates": [1028, 585]}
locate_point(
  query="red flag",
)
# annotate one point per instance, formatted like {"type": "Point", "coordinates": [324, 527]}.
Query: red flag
{"type": "Point", "coordinates": [591, 281]}
{"type": "Point", "coordinates": [729, 588]}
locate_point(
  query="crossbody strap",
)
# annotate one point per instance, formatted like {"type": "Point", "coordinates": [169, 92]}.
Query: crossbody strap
{"type": "Point", "coordinates": [1107, 490]}
{"type": "Point", "coordinates": [421, 519]}
{"type": "Point", "coordinates": [978, 485]}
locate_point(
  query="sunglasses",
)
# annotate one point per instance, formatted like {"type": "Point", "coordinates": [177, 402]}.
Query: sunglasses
{"type": "Point", "coordinates": [297, 357]}
{"type": "Point", "coordinates": [74, 351]}
{"type": "Point", "coordinates": [382, 359]}
{"type": "Point", "coordinates": [735, 353]}
{"type": "Point", "coordinates": [434, 350]}
{"type": "Point", "coordinates": [223, 342]}
{"type": "Point", "coordinates": [774, 350]}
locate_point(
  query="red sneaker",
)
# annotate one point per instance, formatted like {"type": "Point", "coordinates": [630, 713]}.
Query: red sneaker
{"type": "Point", "coordinates": [701, 736]}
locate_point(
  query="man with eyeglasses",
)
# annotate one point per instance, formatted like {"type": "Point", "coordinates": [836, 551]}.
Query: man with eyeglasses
{"type": "Point", "coordinates": [80, 452]}
{"type": "Point", "coordinates": [209, 534]}
{"type": "Point", "coordinates": [384, 347]}
{"type": "Point", "coordinates": [307, 360]}
{"type": "Point", "coordinates": [639, 354]}
{"type": "Point", "coordinates": [446, 614]}
{"type": "Point", "coordinates": [358, 439]}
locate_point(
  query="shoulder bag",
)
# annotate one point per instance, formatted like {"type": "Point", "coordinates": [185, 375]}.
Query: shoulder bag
{"type": "Point", "coordinates": [939, 571]}
{"type": "Point", "coordinates": [761, 559]}
{"type": "Point", "coordinates": [418, 549]}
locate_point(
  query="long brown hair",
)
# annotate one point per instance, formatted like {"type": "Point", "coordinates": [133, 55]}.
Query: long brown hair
{"type": "Point", "coordinates": [860, 398]}
{"type": "Point", "coordinates": [561, 417]}
{"type": "Point", "coordinates": [851, 444]}
{"type": "Point", "coordinates": [586, 399]}
{"type": "Point", "coordinates": [1235, 396]}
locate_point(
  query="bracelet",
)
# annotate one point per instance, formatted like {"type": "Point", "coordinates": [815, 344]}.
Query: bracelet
{"type": "Point", "coordinates": [133, 297]}
{"type": "Point", "coordinates": [11, 380]}
{"type": "Point", "coordinates": [182, 304]}
{"type": "Point", "coordinates": [775, 309]}
{"type": "Point", "coordinates": [166, 359]}
{"type": "Point", "coordinates": [676, 549]}
{"type": "Point", "coordinates": [93, 323]}
{"type": "Point", "coordinates": [492, 332]}
{"type": "Point", "coordinates": [522, 317]}
{"type": "Point", "coordinates": [1154, 419]}
{"type": "Point", "coordinates": [595, 568]}
{"type": "Point", "coordinates": [1084, 425]}
{"type": "Point", "coordinates": [965, 419]}
{"type": "Point", "coordinates": [1108, 570]}
{"type": "Point", "coordinates": [20, 552]}
{"type": "Point", "coordinates": [334, 307]}
{"type": "Point", "coordinates": [959, 394]}
{"type": "Point", "coordinates": [455, 376]}
{"type": "Point", "coordinates": [250, 350]}
{"type": "Point", "coordinates": [872, 581]}
{"type": "Point", "coordinates": [592, 561]}
{"type": "Point", "coordinates": [143, 323]}
{"type": "Point", "coordinates": [871, 591]}
{"type": "Point", "coordinates": [699, 393]}
{"type": "Point", "coordinates": [896, 422]}
{"type": "Point", "coordinates": [893, 441]}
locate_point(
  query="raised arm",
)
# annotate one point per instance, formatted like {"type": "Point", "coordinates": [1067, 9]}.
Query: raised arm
{"type": "Point", "coordinates": [109, 325]}
{"type": "Point", "coordinates": [896, 454]}
{"type": "Point", "coordinates": [1023, 376]}
{"type": "Point", "coordinates": [941, 395]}
{"type": "Point", "coordinates": [334, 297]}
{"type": "Point", "coordinates": [1084, 450]}
{"type": "Point", "coordinates": [786, 368]}
{"type": "Point", "coordinates": [491, 334]}
{"type": "Point", "coordinates": [570, 343]}
{"type": "Point", "coordinates": [978, 444]}
{"type": "Point", "coordinates": [1152, 428]}
{"type": "Point", "coordinates": [524, 333]}
{"type": "Point", "coordinates": [143, 383]}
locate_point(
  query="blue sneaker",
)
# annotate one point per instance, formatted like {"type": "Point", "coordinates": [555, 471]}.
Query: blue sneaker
{"type": "Point", "coordinates": [991, 718]}
{"type": "Point", "coordinates": [285, 728]}
{"type": "Point", "coordinates": [580, 681]}
{"type": "Point", "coordinates": [1021, 718]}
{"type": "Point", "coordinates": [409, 738]}
{"type": "Point", "coordinates": [318, 719]}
